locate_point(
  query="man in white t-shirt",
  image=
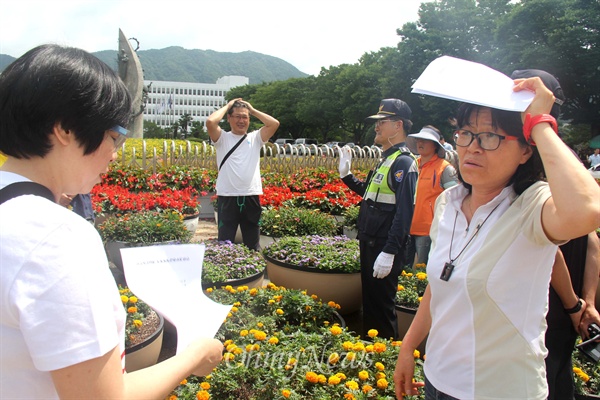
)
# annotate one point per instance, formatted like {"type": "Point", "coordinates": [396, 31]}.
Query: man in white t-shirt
{"type": "Point", "coordinates": [238, 159]}
{"type": "Point", "coordinates": [594, 159]}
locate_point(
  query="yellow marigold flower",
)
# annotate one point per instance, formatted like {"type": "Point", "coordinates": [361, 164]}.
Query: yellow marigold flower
{"type": "Point", "coordinates": [372, 333]}
{"type": "Point", "coordinates": [137, 323]}
{"type": "Point", "coordinates": [314, 296]}
{"type": "Point", "coordinates": [158, 224]}
{"type": "Point", "coordinates": [341, 375]}
{"type": "Point", "coordinates": [271, 285]}
{"type": "Point", "coordinates": [209, 290]}
{"type": "Point", "coordinates": [273, 340]}
{"type": "Point", "coordinates": [279, 311]}
{"type": "Point", "coordinates": [369, 348]}
{"type": "Point", "coordinates": [132, 310]}
{"type": "Point", "coordinates": [397, 343]}
{"type": "Point", "coordinates": [234, 309]}
{"type": "Point", "coordinates": [172, 397]}
{"type": "Point", "coordinates": [255, 347]}
{"type": "Point", "coordinates": [183, 382]}
{"type": "Point", "coordinates": [312, 377]}
{"type": "Point", "coordinates": [349, 396]}
{"type": "Point", "coordinates": [379, 375]}
{"type": "Point", "coordinates": [260, 324]}
{"type": "Point", "coordinates": [237, 350]}
{"type": "Point", "coordinates": [253, 292]}
{"type": "Point", "coordinates": [228, 287]}
{"type": "Point", "coordinates": [421, 276]}
{"type": "Point", "coordinates": [382, 384]}
{"type": "Point", "coordinates": [416, 353]}
{"type": "Point", "coordinates": [335, 330]}
{"type": "Point", "coordinates": [227, 342]}
{"type": "Point", "coordinates": [334, 358]}
{"type": "Point", "coordinates": [230, 347]}
{"type": "Point", "coordinates": [229, 315]}
{"type": "Point", "coordinates": [244, 332]}
{"type": "Point", "coordinates": [420, 265]}
{"type": "Point", "coordinates": [248, 348]}
{"type": "Point", "coordinates": [379, 366]}
{"type": "Point", "coordinates": [286, 393]}
{"type": "Point", "coordinates": [358, 347]}
{"type": "Point", "coordinates": [228, 357]}
{"type": "Point", "coordinates": [260, 335]}
{"type": "Point", "coordinates": [303, 292]}
{"type": "Point", "coordinates": [271, 301]}
{"type": "Point", "coordinates": [420, 298]}
{"type": "Point", "coordinates": [347, 345]}
{"type": "Point", "coordinates": [307, 308]}
{"type": "Point", "coordinates": [333, 380]}
{"type": "Point", "coordinates": [331, 304]}
{"type": "Point", "coordinates": [326, 323]}
{"type": "Point", "coordinates": [350, 356]}
{"type": "Point", "coordinates": [363, 375]}
{"type": "Point", "coordinates": [367, 388]}
{"type": "Point", "coordinates": [203, 395]}
{"type": "Point", "coordinates": [242, 288]}
{"type": "Point", "coordinates": [133, 299]}
{"type": "Point", "coordinates": [379, 347]}
{"type": "Point", "coordinates": [322, 378]}
{"type": "Point", "coordinates": [400, 288]}
{"type": "Point", "coordinates": [205, 385]}
{"type": "Point", "coordinates": [278, 297]}
{"type": "Point", "coordinates": [352, 385]}
{"type": "Point", "coordinates": [292, 361]}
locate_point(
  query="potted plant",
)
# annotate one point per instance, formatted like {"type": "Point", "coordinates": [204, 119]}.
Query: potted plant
{"type": "Point", "coordinates": [411, 287]}
{"type": "Point", "coordinates": [328, 266]}
{"type": "Point", "coordinates": [141, 229]}
{"type": "Point", "coordinates": [586, 376]}
{"type": "Point", "coordinates": [285, 343]}
{"type": "Point", "coordinates": [227, 263]}
{"type": "Point", "coordinates": [143, 332]}
{"type": "Point", "coordinates": [350, 226]}
{"type": "Point", "coordinates": [294, 221]}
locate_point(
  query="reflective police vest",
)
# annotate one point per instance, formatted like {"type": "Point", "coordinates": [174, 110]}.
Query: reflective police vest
{"type": "Point", "coordinates": [379, 189]}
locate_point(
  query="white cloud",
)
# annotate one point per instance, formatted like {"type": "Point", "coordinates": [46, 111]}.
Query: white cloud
{"type": "Point", "coordinates": [309, 34]}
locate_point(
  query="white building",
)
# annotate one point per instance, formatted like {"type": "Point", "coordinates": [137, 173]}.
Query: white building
{"type": "Point", "coordinates": [168, 101]}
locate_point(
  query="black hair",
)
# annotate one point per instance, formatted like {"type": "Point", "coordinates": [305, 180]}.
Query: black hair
{"type": "Point", "coordinates": [237, 104]}
{"type": "Point", "coordinates": [53, 84]}
{"type": "Point", "coordinates": [510, 122]}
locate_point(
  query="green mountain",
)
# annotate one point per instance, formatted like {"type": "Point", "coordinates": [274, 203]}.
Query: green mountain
{"type": "Point", "coordinates": [204, 66]}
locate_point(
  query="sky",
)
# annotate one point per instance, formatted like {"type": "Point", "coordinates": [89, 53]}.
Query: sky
{"type": "Point", "coordinates": [309, 34]}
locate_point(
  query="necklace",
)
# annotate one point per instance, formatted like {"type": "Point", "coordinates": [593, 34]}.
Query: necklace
{"type": "Point", "coordinates": [449, 266]}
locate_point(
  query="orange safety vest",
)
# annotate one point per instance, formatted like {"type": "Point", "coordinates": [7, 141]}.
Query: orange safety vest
{"type": "Point", "coordinates": [429, 187]}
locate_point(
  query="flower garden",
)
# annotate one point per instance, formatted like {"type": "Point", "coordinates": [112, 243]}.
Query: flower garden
{"type": "Point", "coordinates": [280, 343]}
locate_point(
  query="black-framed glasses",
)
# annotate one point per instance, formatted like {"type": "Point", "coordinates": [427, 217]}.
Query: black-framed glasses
{"type": "Point", "coordinates": [487, 140]}
{"type": "Point", "coordinates": [119, 140]}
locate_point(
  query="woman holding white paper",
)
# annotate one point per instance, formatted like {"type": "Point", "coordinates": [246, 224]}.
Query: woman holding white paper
{"type": "Point", "coordinates": [494, 239]}
{"type": "Point", "coordinates": [62, 322]}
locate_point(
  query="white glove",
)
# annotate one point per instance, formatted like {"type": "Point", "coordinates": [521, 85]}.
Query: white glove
{"type": "Point", "coordinates": [345, 155]}
{"type": "Point", "coordinates": [383, 265]}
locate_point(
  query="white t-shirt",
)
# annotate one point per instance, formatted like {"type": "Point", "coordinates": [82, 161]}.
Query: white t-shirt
{"type": "Point", "coordinates": [240, 175]}
{"type": "Point", "coordinates": [59, 304]}
{"type": "Point", "coordinates": [488, 320]}
{"type": "Point", "coordinates": [594, 160]}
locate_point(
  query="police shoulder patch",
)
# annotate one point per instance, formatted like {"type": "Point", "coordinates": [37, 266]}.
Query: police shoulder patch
{"type": "Point", "coordinates": [399, 175]}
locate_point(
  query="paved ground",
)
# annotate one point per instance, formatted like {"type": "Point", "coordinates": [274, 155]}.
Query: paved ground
{"type": "Point", "coordinates": [207, 229]}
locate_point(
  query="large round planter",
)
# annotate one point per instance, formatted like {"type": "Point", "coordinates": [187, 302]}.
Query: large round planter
{"type": "Point", "coordinates": [191, 222]}
{"type": "Point", "coordinates": [405, 317]}
{"type": "Point", "coordinates": [265, 240]}
{"type": "Point", "coordinates": [350, 232]}
{"type": "Point", "coordinates": [206, 207]}
{"type": "Point", "coordinates": [252, 281]}
{"type": "Point", "coordinates": [343, 288]}
{"type": "Point", "coordinates": [145, 354]}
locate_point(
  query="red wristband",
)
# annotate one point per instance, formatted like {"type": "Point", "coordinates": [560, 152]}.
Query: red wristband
{"type": "Point", "coordinates": [530, 122]}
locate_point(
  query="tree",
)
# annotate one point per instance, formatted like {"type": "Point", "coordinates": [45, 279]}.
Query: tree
{"type": "Point", "coordinates": [198, 130]}
{"type": "Point", "coordinates": [184, 121]}
{"type": "Point", "coordinates": [153, 131]}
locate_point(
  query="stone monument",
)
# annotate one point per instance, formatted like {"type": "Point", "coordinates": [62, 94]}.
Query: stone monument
{"type": "Point", "coordinates": [130, 71]}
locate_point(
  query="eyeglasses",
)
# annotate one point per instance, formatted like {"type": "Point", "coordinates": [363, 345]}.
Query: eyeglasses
{"type": "Point", "coordinates": [119, 140]}
{"type": "Point", "coordinates": [382, 121]}
{"type": "Point", "coordinates": [241, 117]}
{"type": "Point", "coordinates": [487, 140]}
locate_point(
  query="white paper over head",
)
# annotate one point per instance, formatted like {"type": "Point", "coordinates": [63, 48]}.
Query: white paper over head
{"type": "Point", "coordinates": [169, 279]}
{"type": "Point", "coordinates": [455, 79]}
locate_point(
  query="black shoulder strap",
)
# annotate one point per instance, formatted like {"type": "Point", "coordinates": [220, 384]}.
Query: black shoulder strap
{"type": "Point", "coordinates": [232, 150]}
{"type": "Point", "coordinates": [21, 188]}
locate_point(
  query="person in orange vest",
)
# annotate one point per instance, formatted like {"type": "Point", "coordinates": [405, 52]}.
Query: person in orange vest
{"type": "Point", "coordinates": [435, 175]}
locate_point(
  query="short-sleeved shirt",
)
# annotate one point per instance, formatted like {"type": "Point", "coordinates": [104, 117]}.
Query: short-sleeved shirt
{"type": "Point", "coordinates": [487, 333]}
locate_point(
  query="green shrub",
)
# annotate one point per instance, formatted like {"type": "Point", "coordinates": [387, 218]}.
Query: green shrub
{"type": "Point", "coordinates": [294, 221]}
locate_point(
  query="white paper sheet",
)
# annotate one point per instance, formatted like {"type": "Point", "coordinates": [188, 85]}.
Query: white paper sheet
{"type": "Point", "coordinates": [169, 279]}
{"type": "Point", "coordinates": [470, 82]}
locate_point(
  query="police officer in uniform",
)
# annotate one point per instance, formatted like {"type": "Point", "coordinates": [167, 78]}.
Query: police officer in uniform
{"type": "Point", "coordinates": [385, 215]}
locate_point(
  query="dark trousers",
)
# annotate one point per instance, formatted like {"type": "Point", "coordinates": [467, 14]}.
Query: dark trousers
{"type": "Point", "coordinates": [559, 367]}
{"type": "Point", "coordinates": [242, 211]}
{"type": "Point", "coordinates": [378, 295]}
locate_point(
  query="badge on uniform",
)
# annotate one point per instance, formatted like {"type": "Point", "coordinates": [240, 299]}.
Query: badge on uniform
{"type": "Point", "coordinates": [378, 178]}
{"type": "Point", "coordinates": [399, 175]}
